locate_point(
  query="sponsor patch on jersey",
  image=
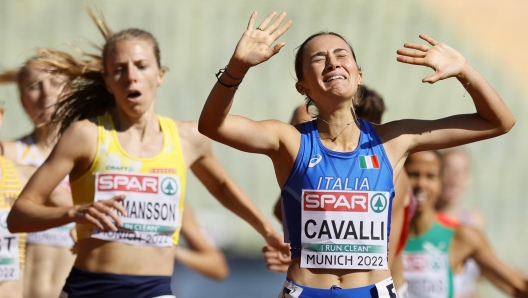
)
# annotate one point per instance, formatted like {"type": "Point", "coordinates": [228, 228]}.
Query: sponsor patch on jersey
{"type": "Point", "coordinates": [316, 158]}
{"type": "Point", "coordinates": [323, 200]}
{"type": "Point", "coordinates": [163, 170]}
{"type": "Point", "coordinates": [127, 182]}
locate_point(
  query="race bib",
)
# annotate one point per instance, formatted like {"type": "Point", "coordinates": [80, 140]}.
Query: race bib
{"type": "Point", "coordinates": [9, 258]}
{"type": "Point", "coordinates": [152, 204]}
{"type": "Point", "coordinates": [59, 236]}
{"type": "Point", "coordinates": [344, 229]}
{"type": "Point", "coordinates": [426, 274]}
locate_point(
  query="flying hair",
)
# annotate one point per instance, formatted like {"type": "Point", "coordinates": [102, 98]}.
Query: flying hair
{"type": "Point", "coordinates": [85, 95]}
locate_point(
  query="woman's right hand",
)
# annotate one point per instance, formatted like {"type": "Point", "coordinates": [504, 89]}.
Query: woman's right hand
{"type": "Point", "coordinates": [100, 213]}
{"type": "Point", "coordinates": [255, 45]}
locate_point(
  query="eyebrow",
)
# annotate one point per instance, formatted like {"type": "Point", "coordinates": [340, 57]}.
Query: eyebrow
{"type": "Point", "coordinates": [323, 53]}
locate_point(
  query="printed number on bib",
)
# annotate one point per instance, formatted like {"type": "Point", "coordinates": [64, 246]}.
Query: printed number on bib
{"type": "Point", "coordinates": [344, 229]}
{"type": "Point", "coordinates": [9, 258]}
{"type": "Point", "coordinates": [426, 274]}
{"type": "Point", "coordinates": [152, 203]}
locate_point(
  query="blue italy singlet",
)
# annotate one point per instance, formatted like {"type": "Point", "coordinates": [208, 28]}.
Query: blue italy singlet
{"type": "Point", "coordinates": [337, 205]}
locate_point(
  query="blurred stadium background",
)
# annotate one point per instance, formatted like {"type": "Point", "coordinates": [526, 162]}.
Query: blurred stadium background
{"type": "Point", "coordinates": [197, 38]}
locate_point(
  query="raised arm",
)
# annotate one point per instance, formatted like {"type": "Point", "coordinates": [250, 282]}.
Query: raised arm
{"type": "Point", "coordinates": [492, 117]}
{"type": "Point", "coordinates": [202, 256]}
{"type": "Point", "coordinates": [72, 155]}
{"type": "Point", "coordinates": [254, 47]}
{"type": "Point", "coordinates": [501, 275]}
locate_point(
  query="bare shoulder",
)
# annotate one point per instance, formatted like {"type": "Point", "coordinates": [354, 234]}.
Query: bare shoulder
{"type": "Point", "coordinates": [81, 129]}
{"type": "Point", "coordinates": [469, 236]}
{"type": "Point", "coordinates": [188, 132]}
{"type": "Point", "coordinates": [79, 139]}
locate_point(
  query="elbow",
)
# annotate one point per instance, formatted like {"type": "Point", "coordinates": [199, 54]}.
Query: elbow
{"type": "Point", "coordinates": [221, 269]}
{"type": "Point", "coordinates": [509, 124]}
{"type": "Point", "coordinates": [205, 128]}
{"type": "Point", "coordinates": [506, 125]}
{"type": "Point", "coordinates": [223, 272]}
{"type": "Point", "coordinates": [14, 225]}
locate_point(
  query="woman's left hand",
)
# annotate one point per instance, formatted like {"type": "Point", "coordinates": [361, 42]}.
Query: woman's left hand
{"type": "Point", "coordinates": [444, 60]}
{"type": "Point", "coordinates": [276, 240]}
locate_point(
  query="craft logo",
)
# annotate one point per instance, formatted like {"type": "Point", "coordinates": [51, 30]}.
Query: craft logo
{"type": "Point", "coordinates": [320, 200]}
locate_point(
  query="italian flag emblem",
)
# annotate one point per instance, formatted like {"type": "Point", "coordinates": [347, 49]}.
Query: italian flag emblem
{"type": "Point", "coordinates": [369, 162]}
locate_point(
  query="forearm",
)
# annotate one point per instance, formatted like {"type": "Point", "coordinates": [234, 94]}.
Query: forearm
{"type": "Point", "coordinates": [220, 100]}
{"type": "Point", "coordinates": [209, 263]}
{"type": "Point", "coordinates": [27, 216]}
{"type": "Point", "coordinates": [234, 199]}
{"type": "Point", "coordinates": [488, 103]}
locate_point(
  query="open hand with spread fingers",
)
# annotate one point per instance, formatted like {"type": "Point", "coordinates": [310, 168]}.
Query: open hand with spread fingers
{"type": "Point", "coordinates": [101, 213]}
{"type": "Point", "coordinates": [255, 46]}
{"type": "Point", "coordinates": [444, 60]}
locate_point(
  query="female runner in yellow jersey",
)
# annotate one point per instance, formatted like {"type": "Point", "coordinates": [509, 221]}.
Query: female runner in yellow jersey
{"type": "Point", "coordinates": [123, 159]}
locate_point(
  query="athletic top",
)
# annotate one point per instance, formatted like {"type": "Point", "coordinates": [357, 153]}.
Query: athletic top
{"type": "Point", "coordinates": [337, 205]}
{"type": "Point", "coordinates": [407, 216]}
{"type": "Point", "coordinates": [426, 261]}
{"type": "Point", "coordinates": [12, 246]}
{"type": "Point", "coordinates": [154, 187]}
{"type": "Point", "coordinates": [28, 154]}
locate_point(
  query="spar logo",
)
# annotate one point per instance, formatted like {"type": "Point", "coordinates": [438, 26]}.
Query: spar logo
{"type": "Point", "coordinates": [169, 186]}
{"type": "Point", "coordinates": [414, 262]}
{"type": "Point", "coordinates": [378, 202]}
{"type": "Point", "coordinates": [127, 182]}
{"type": "Point", "coordinates": [324, 200]}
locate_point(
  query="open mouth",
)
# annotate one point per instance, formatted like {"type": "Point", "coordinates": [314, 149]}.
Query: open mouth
{"type": "Point", "coordinates": [134, 95]}
{"type": "Point", "coordinates": [333, 78]}
{"type": "Point", "coordinates": [421, 197]}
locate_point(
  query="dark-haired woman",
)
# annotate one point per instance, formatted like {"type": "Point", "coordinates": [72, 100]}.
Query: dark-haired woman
{"type": "Point", "coordinates": [127, 168]}
{"type": "Point", "coordinates": [337, 172]}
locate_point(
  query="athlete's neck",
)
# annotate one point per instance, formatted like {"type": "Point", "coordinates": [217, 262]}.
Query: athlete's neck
{"type": "Point", "coordinates": [142, 125]}
{"type": "Point", "coordinates": [44, 139]}
{"type": "Point", "coordinates": [422, 222]}
{"type": "Point", "coordinates": [338, 132]}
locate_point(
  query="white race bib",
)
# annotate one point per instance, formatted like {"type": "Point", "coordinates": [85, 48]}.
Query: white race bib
{"type": "Point", "coordinates": [426, 274]}
{"type": "Point", "coordinates": [9, 259]}
{"type": "Point", "coordinates": [59, 236]}
{"type": "Point", "coordinates": [344, 229]}
{"type": "Point", "coordinates": [152, 203]}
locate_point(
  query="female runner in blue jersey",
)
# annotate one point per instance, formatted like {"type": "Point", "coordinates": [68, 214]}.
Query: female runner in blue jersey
{"type": "Point", "coordinates": [337, 172]}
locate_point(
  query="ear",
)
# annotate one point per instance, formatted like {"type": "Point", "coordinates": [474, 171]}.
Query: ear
{"type": "Point", "coordinates": [360, 78]}
{"type": "Point", "coordinates": [105, 78]}
{"type": "Point", "coordinates": [161, 75]}
{"type": "Point", "coordinates": [300, 88]}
